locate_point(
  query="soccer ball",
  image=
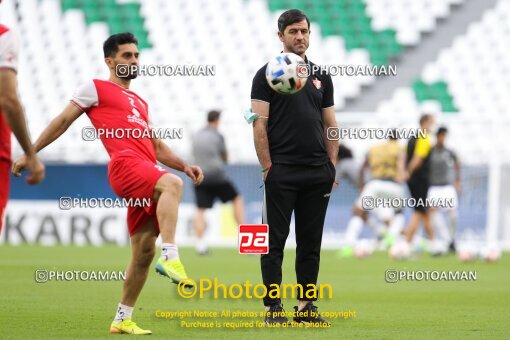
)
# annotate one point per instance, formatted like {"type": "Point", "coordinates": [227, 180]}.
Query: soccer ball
{"type": "Point", "coordinates": [400, 250]}
{"type": "Point", "coordinates": [490, 253]}
{"type": "Point", "coordinates": [467, 253]}
{"type": "Point", "coordinates": [363, 249]}
{"type": "Point", "coordinates": [287, 73]}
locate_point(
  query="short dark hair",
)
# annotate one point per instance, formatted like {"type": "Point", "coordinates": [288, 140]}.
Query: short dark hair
{"type": "Point", "coordinates": [425, 117]}
{"type": "Point", "coordinates": [441, 130]}
{"type": "Point", "coordinates": [111, 45]}
{"type": "Point", "coordinates": [291, 17]}
{"type": "Point", "coordinates": [213, 116]}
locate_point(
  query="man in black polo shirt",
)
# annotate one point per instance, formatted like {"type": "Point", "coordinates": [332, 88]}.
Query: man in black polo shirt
{"type": "Point", "coordinates": [298, 163]}
{"type": "Point", "coordinates": [418, 167]}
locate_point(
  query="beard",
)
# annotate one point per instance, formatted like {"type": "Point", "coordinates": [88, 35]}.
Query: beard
{"type": "Point", "coordinates": [131, 75]}
{"type": "Point", "coordinates": [127, 72]}
{"type": "Point", "coordinates": [297, 49]}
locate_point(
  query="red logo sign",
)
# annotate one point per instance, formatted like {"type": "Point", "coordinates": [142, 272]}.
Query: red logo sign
{"type": "Point", "coordinates": [253, 239]}
{"type": "Point", "coordinates": [303, 70]}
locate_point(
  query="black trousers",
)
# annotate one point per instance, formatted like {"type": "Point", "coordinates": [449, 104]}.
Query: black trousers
{"type": "Point", "coordinates": [304, 190]}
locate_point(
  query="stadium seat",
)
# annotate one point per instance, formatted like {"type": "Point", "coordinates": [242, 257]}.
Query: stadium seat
{"type": "Point", "coordinates": [212, 32]}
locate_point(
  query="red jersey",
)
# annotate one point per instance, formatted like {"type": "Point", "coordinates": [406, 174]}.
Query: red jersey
{"type": "Point", "coordinates": [8, 59]}
{"type": "Point", "coordinates": [112, 107]}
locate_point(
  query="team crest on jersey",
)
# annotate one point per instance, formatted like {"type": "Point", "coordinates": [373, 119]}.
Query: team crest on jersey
{"type": "Point", "coordinates": [135, 112]}
{"type": "Point", "coordinates": [317, 83]}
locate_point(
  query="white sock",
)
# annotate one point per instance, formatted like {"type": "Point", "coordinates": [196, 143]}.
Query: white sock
{"type": "Point", "coordinates": [169, 251]}
{"type": "Point", "coordinates": [123, 312]}
{"type": "Point", "coordinates": [439, 224]}
{"type": "Point", "coordinates": [353, 230]}
{"type": "Point", "coordinates": [452, 224]}
{"type": "Point", "coordinates": [397, 224]}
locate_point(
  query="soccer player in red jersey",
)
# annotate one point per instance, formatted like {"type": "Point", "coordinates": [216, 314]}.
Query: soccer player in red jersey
{"type": "Point", "coordinates": [132, 172]}
{"type": "Point", "coordinates": [12, 117]}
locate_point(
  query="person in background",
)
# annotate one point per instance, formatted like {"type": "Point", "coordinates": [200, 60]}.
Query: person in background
{"type": "Point", "coordinates": [210, 152]}
{"type": "Point", "coordinates": [444, 185]}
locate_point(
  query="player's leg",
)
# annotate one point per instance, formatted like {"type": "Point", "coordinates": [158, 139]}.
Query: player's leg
{"type": "Point", "coordinates": [228, 193]}
{"type": "Point", "coordinates": [439, 224]}
{"type": "Point", "coordinates": [452, 215]}
{"type": "Point", "coordinates": [167, 194]}
{"type": "Point", "coordinates": [437, 193]}
{"type": "Point", "coordinates": [356, 222]}
{"type": "Point", "coordinates": [310, 213]}
{"type": "Point", "coordinates": [419, 190]}
{"type": "Point", "coordinates": [452, 218]}
{"type": "Point", "coordinates": [413, 225]}
{"type": "Point", "coordinates": [204, 200]}
{"type": "Point", "coordinates": [142, 254]}
{"type": "Point", "coordinates": [427, 224]}
{"type": "Point", "coordinates": [199, 226]}
{"type": "Point", "coordinates": [279, 199]}
{"type": "Point", "coordinates": [239, 214]}
{"type": "Point", "coordinates": [353, 230]}
{"type": "Point", "coordinates": [396, 224]}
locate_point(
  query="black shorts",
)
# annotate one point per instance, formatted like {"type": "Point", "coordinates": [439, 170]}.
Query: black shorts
{"type": "Point", "coordinates": [206, 194]}
{"type": "Point", "coordinates": [419, 189]}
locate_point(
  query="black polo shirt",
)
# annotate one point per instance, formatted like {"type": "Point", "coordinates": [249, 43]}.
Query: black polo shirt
{"type": "Point", "coordinates": [421, 173]}
{"type": "Point", "coordinates": [294, 130]}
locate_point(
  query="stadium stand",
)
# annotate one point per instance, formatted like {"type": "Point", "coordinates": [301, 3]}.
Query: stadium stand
{"type": "Point", "coordinates": [196, 31]}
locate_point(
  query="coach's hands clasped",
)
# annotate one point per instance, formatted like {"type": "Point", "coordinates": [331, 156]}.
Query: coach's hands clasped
{"type": "Point", "coordinates": [195, 173]}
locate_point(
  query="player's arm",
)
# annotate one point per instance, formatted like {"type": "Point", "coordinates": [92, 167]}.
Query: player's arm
{"type": "Point", "coordinates": [261, 95]}
{"type": "Point", "coordinates": [421, 151]}
{"type": "Point", "coordinates": [260, 134]}
{"type": "Point", "coordinates": [414, 164]}
{"type": "Point", "coordinates": [223, 150]}
{"type": "Point", "coordinates": [13, 112]}
{"type": "Point", "coordinates": [329, 122]}
{"type": "Point", "coordinates": [169, 158]}
{"type": "Point", "coordinates": [457, 182]}
{"type": "Point", "coordinates": [54, 130]}
{"type": "Point", "coordinates": [401, 167]}
{"type": "Point", "coordinates": [58, 126]}
{"type": "Point", "coordinates": [12, 109]}
{"type": "Point", "coordinates": [328, 119]}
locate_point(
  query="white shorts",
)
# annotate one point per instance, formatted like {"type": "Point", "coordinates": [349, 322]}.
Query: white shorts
{"type": "Point", "coordinates": [378, 188]}
{"type": "Point", "coordinates": [443, 192]}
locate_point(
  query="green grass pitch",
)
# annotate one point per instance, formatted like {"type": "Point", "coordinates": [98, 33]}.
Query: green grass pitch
{"type": "Point", "coordinates": [403, 310]}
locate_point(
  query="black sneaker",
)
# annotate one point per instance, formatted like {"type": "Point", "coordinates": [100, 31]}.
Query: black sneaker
{"type": "Point", "coordinates": [309, 314]}
{"type": "Point", "coordinates": [275, 315]}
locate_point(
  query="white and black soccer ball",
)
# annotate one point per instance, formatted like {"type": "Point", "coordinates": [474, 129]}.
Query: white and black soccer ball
{"type": "Point", "coordinates": [490, 253]}
{"type": "Point", "coordinates": [400, 250]}
{"type": "Point", "coordinates": [467, 252]}
{"type": "Point", "coordinates": [363, 249]}
{"type": "Point", "coordinates": [287, 73]}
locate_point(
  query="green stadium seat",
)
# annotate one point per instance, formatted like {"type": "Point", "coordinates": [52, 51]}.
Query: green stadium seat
{"type": "Point", "coordinates": [119, 17]}
{"type": "Point", "coordinates": [70, 4]}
